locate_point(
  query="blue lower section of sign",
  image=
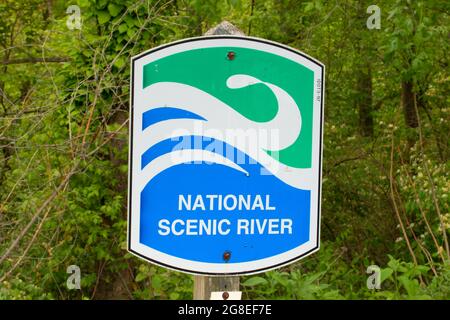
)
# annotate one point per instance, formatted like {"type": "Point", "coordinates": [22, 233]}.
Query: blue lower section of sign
{"type": "Point", "coordinates": [273, 218]}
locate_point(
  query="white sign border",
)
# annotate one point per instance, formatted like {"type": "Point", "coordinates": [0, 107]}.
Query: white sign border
{"type": "Point", "coordinates": [221, 269]}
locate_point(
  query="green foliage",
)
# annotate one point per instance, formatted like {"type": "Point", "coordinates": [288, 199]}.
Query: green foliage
{"type": "Point", "coordinates": [159, 283]}
{"type": "Point", "coordinates": [404, 280]}
{"type": "Point", "coordinates": [60, 119]}
{"type": "Point", "coordinates": [329, 277]}
{"type": "Point", "coordinates": [19, 290]}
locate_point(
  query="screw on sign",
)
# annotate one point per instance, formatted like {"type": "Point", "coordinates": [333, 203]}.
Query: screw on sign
{"type": "Point", "coordinates": [242, 138]}
{"type": "Point", "coordinates": [226, 256]}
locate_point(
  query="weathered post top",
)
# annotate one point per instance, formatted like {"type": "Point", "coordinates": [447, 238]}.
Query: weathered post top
{"type": "Point", "coordinates": [224, 28]}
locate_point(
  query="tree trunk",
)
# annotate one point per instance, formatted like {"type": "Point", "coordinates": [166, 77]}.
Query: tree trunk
{"type": "Point", "coordinates": [409, 108]}
{"type": "Point", "coordinates": [364, 101]}
{"type": "Point", "coordinates": [363, 98]}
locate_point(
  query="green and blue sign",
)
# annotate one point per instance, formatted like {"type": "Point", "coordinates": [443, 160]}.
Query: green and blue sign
{"type": "Point", "coordinates": [225, 155]}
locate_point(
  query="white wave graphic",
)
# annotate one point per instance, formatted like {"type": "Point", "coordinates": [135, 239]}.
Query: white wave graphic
{"type": "Point", "coordinates": [220, 118]}
{"type": "Point", "coordinates": [177, 157]}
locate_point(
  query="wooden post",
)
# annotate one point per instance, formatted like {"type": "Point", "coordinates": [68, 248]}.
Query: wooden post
{"type": "Point", "coordinates": [204, 285]}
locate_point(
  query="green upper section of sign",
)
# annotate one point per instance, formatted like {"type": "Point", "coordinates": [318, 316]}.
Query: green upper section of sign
{"type": "Point", "coordinates": [209, 68]}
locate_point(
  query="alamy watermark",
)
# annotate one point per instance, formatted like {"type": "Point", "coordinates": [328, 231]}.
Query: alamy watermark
{"type": "Point", "coordinates": [74, 280]}
{"type": "Point", "coordinates": [74, 18]}
{"type": "Point", "coordinates": [374, 279]}
{"type": "Point", "coordinates": [374, 20]}
{"type": "Point", "coordinates": [241, 146]}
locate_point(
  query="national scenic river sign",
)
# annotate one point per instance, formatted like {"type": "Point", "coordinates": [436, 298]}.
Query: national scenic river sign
{"type": "Point", "coordinates": [225, 155]}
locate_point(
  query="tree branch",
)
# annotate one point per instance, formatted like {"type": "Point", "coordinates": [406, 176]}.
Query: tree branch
{"type": "Point", "coordinates": [35, 60]}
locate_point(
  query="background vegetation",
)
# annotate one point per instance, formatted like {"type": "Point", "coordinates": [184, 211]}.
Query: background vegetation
{"type": "Point", "coordinates": [64, 132]}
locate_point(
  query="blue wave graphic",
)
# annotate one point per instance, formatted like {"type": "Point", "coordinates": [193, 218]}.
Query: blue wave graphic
{"type": "Point", "coordinates": [153, 116]}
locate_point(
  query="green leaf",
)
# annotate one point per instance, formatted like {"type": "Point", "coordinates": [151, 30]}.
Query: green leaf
{"type": "Point", "coordinates": [129, 20]}
{"type": "Point", "coordinates": [103, 17]}
{"type": "Point", "coordinates": [309, 6]}
{"type": "Point", "coordinates": [123, 27]}
{"type": "Point", "coordinates": [411, 285]}
{"type": "Point", "coordinates": [140, 277]}
{"type": "Point", "coordinates": [130, 32]}
{"type": "Point", "coordinates": [174, 296]}
{"type": "Point", "coordinates": [102, 3]}
{"type": "Point", "coordinates": [386, 274]}
{"type": "Point", "coordinates": [120, 62]}
{"type": "Point", "coordinates": [393, 263]}
{"type": "Point", "coordinates": [156, 282]}
{"type": "Point", "coordinates": [114, 9]}
{"type": "Point", "coordinates": [254, 281]}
